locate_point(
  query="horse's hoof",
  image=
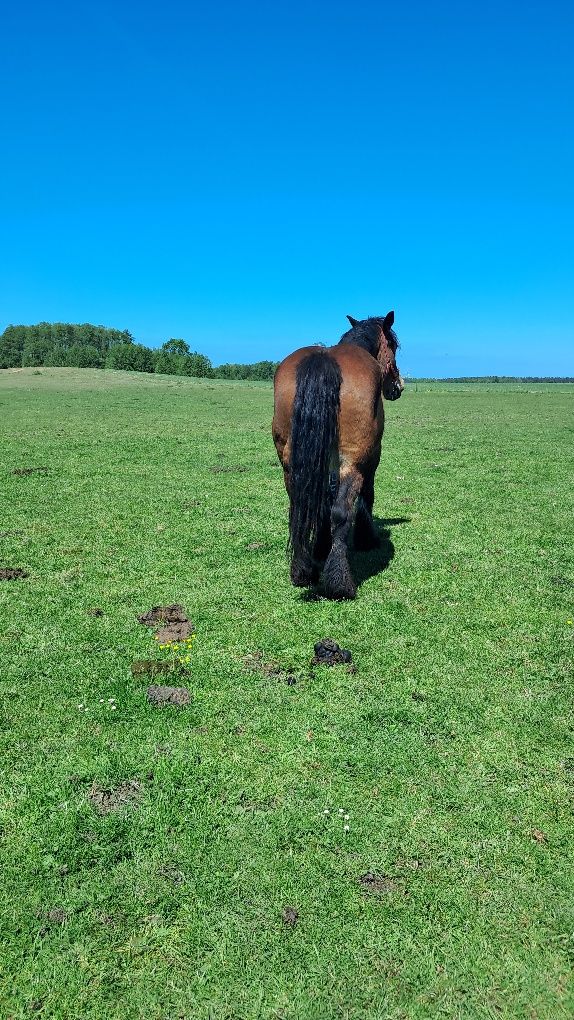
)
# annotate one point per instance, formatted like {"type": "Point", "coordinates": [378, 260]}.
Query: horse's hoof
{"type": "Point", "coordinates": [301, 577]}
{"type": "Point", "coordinates": [341, 592]}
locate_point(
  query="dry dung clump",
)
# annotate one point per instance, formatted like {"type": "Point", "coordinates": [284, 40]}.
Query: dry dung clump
{"type": "Point", "coordinates": [176, 625]}
{"type": "Point", "coordinates": [106, 799]}
{"type": "Point", "coordinates": [160, 695]}
{"type": "Point", "coordinates": [163, 614]}
{"type": "Point", "coordinates": [12, 573]}
{"type": "Point", "coordinates": [175, 632]}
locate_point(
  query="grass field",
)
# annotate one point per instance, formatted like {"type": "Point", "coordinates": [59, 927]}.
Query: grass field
{"type": "Point", "coordinates": [223, 890]}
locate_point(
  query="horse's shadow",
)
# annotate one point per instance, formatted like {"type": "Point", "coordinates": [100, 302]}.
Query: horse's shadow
{"type": "Point", "coordinates": [367, 564]}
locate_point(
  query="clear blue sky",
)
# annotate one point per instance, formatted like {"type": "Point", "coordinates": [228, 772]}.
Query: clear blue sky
{"type": "Point", "coordinates": [244, 174]}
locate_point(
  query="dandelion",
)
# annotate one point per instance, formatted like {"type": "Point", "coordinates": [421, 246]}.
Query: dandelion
{"type": "Point", "coordinates": [341, 812]}
{"type": "Point", "coordinates": [346, 818]}
{"type": "Point", "coordinates": [326, 811]}
{"type": "Point", "coordinates": [80, 706]}
{"type": "Point", "coordinates": [113, 707]}
{"type": "Point", "coordinates": [101, 701]}
{"type": "Point", "coordinates": [110, 700]}
{"type": "Point", "coordinates": [569, 622]}
{"type": "Point", "coordinates": [346, 828]}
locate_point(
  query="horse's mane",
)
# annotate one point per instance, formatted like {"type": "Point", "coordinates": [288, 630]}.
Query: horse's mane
{"type": "Point", "coordinates": [366, 334]}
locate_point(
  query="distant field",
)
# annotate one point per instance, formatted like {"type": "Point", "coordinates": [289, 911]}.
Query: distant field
{"type": "Point", "coordinates": [222, 890]}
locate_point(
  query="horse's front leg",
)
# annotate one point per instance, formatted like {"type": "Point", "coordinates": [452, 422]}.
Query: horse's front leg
{"type": "Point", "coordinates": [337, 577]}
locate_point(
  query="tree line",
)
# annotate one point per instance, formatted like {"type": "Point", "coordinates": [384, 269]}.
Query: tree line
{"type": "Point", "coordinates": [69, 345]}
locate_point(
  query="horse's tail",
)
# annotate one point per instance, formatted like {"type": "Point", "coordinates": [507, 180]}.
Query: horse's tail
{"type": "Point", "coordinates": [314, 444]}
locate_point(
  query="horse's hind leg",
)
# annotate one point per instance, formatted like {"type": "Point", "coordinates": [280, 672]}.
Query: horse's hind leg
{"type": "Point", "coordinates": [366, 536]}
{"type": "Point", "coordinates": [337, 577]}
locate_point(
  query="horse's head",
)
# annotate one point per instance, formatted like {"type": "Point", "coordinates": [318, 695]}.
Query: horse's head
{"type": "Point", "coordinates": [383, 346]}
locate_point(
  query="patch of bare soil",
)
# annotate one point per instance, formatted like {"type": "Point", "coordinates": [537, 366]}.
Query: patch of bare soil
{"type": "Point", "coordinates": [11, 533]}
{"type": "Point", "coordinates": [255, 663]}
{"type": "Point", "coordinates": [106, 800]}
{"type": "Point", "coordinates": [94, 611]}
{"type": "Point", "coordinates": [12, 573]}
{"type": "Point", "coordinates": [378, 884]}
{"type": "Point", "coordinates": [290, 916]}
{"type": "Point", "coordinates": [562, 582]}
{"type": "Point", "coordinates": [408, 864]}
{"type": "Point", "coordinates": [256, 545]}
{"type": "Point", "coordinates": [21, 472]}
{"type": "Point", "coordinates": [328, 653]}
{"type": "Point", "coordinates": [232, 469]}
{"type": "Point", "coordinates": [252, 804]}
{"type": "Point", "coordinates": [55, 916]}
{"type": "Point", "coordinates": [160, 695]}
{"type": "Point", "coordinates": [171, 874]}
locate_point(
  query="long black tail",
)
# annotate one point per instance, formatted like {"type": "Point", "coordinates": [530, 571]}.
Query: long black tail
{"type": "Point", "coordinates": [314, 437]}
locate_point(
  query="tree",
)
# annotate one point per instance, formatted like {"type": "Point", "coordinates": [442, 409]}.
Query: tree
{"type": "Point", "coordinates": [198, 365]}
{"type": "Point", "coordinates": [176, 347]}
{"type": "Point", "coordinates": [170, 362]}
{"type": "Point", "coordinates": [11, 346]}
{"type": "Point", "coordinates": [130, 357]}
{"type": "Point", "coordinates": [84, 356]}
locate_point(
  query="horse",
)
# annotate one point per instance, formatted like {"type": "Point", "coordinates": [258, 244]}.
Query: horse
{"type": "Point", "coordinates": [327, 428]}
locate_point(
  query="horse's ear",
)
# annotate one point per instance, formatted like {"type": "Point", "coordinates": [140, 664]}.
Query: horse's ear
{"type": "Point", "coordinates": [354, 322]}
{"type": "Point", "coordinates": [388, 321]}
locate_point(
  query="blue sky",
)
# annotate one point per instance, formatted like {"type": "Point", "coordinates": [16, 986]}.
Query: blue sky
{"type": "Point", "coordinates": [244, 175]}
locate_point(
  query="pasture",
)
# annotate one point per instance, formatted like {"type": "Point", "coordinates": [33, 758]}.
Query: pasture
{"type": "Point", "coordinates": [225, 885]}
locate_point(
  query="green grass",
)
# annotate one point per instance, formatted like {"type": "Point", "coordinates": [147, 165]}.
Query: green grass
{"type": "Point", "coordinates": [461, 796]}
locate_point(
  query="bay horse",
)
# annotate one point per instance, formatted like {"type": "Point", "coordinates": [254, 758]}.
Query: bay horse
{"type": "Point", "coordinates": [327, 428]}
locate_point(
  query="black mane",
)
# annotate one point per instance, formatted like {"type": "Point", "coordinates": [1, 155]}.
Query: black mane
{"type": "Point", "coordinates": [366, 334]}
